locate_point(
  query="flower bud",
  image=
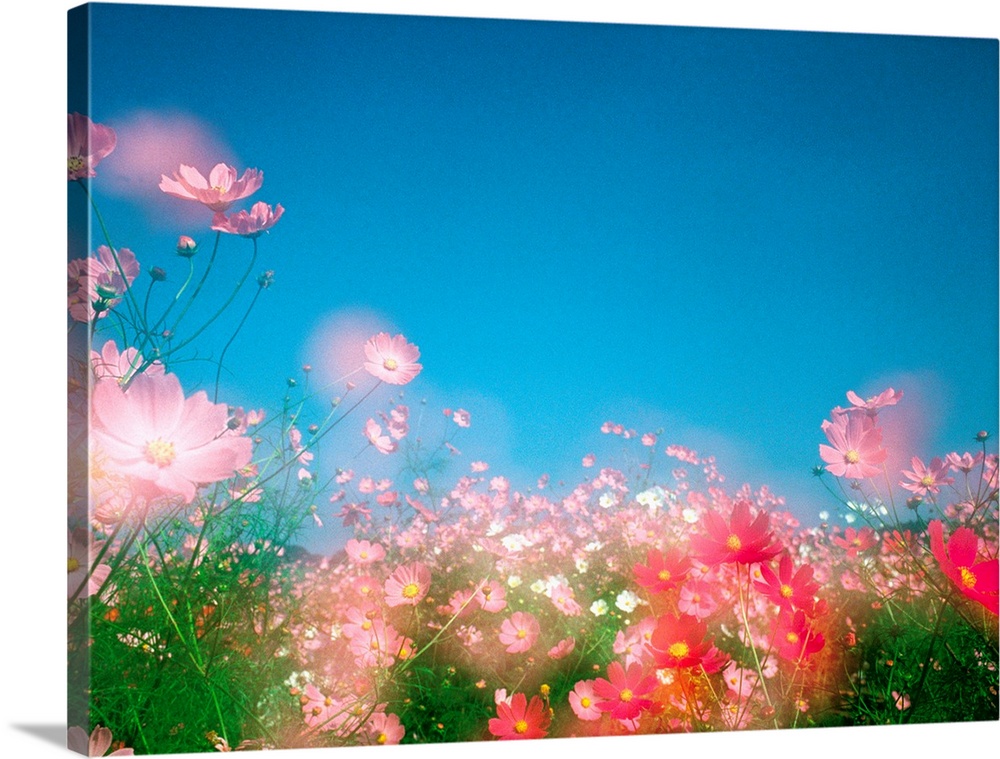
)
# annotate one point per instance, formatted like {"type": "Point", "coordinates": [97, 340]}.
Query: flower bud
{"type": "Point", "coordinates": [157, 274]}
{"type": "Point", "coordinates": [266, 279]}
{"type": "Point", "coordinates": [982, 436]}
{"type": "Point", "coordinates": [106, 292]}
{"type": "Point", "coordinates": [186, 247]}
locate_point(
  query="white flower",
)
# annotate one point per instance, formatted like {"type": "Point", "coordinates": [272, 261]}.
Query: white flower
{"type": "Point", "coordinates": [496, 527]}
{"type": "Point", "coordinates": [849, 518]}
{"type": "Point", "coordinates": [538, 586]}
{"type": "Point", "coordinates": [514, 581]}
{"type": "Point", "coordinates": [582, 566]}
{"type": "Point", "coordinates": [607, 500]}
{"type": "Point", "coordinates": [665, 676]}
{"type": "Point", "coordinates": [515, 542]}
{"type": "Point", "coordinates": [599, 608]}
{"type": "Point", "coordinates": [627, 601]}
{"type": "Point", "coordinates": [335, 631]}
{"type": "Point", "coordinates": [689, 515]}
{"type": "Point", "coordinates": [652, 499]}
{"type": "Point", "coordinates": [824, 515]}
{"type": "Point", "coordinates": [593, 546]}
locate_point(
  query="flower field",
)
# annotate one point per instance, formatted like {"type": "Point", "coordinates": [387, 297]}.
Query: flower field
{"type": "Point", "coordinates": [468, 608]}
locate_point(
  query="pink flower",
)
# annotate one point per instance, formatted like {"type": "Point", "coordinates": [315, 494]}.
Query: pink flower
{"type": "Point", "coordinates": [96, 744]}
{"type": "Point", "coordinates": [649, 439]}
{"type": "Point", "coordinates": [408, 585]}
{"type": "Point", "coordinates": [385, 729]}
{"type": "Point", "coordinates": [392, 359]}
{"type": "Point", "coordinates": [479, 466]}
{"type": "Point", "coordinates": [925, 480]}
{"type": "Point", "coordinates": [789, 591]}
{"type": "Point", "coordinates": [794, 639]}
{"type": "Point", "coordinates": [964, 463]}
{"type": "Point", "coordinates": [382, 443]}
{"type": "Point", "coordinates": [492, 596]}
{"type": "Point", "coordinates": [218, 192]}
{"type": "Point", "coordinates": [364, 552]}
{"type": "Point", "coordinates": [88, 145]}
{"type": "Point", "coordinates": [98, 279]}
{"type": "Point", "coordinates": [856, 448]}
{"type": "Point", "coordinates": [696, 599]}
{"type": "Point", "coordinates": [109, 363]}
{"type": "Point", "coordinates": [745, 540]}
{"type": "Point", "coordinates": [562, 649]}
{"type": "Point", "coordinates": [519, 719]}
{"type": "Point", "coordinates": [979, 581]}
{"type": "Point", "coordinates": [621, 694]}
{"type": "Point", "coordinates": [588, 460]}
{"type": "Point", "coordinates": [253, 224]}
{"type": "Point", "coordinates": [871, 405]}
{"type": "Point", "coordinates": [855, 541]}
{"type": "Point", "coordinates": [462, 418]}
{"type": "Point", "coordinates": [562, 596]}
{"type": "Point", "coordinates": [584, 702]}
{"type": "Point", "coordinates": [153, 434]}
{"type": "Point", "coordinates": [520, 632]}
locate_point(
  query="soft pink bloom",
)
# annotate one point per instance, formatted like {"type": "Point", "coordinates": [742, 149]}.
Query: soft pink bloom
{"type": "Point", "coordinates": [98, 278]}
{"type": "Point", "coordinates": [95, 744]}
{"type": "Point", "coordinates": [78, 562]}
{"type": "Point", "coordinates": [519, 632]}
{"type": "Point", "coordinates": [901, 700]}
{"type": "Point", "coordinates": [153, 434]}
{"type": "Point", "coordinates": [789, 591]}
{"type": "Point", "coordinates": [253, 224]}
{"type": "Point", "coordinates": [925, 480]}
{"type": "Point", "coordinates": [382, 443]}
{"type": "Point", "coordinates": [462, 418]}
{"type": "Point", "coordinates": [392, 359]}
{"type": "Point", "coordinates": [385, 729]}
{"type": "Point", "coordinates": [109, 363]}
{"type": "Point", "coordinates": [519, 719]}
{"type": "Point", "coordinates": [562, 649]}
{"type": "Point", "coordinates": [964, 463]}
{"type": "Point", "coordinates": [479, 466]}
{"type": "Point", "coordinates": [562, 596]}
{"type": "Point", "coordinates": [421, 485]}
{"type": "Point", "coordinates": [621, 694]}
{"type": "Point", "coordinates": [584, 702]}
{"type": "Point", "coordinates": [364, 552]}
{"type": "Point", "coordinates": [492, 596]}
{"type": "Point", "coordinates": [218, 192]}
{"type": "Point", "coordinates": [740, 681]}
{"type": "Point", "coordinates": [320, 711]}
{"type": "Point", "coordinates": [88, 144]}
{"type": "Point", "coordinates": [856, 541]}
{"type": "Point", "coordinates": [871, 405]}
{"type": "Point", "coordinates": [408, 585]}
{"type": "Point", "coordinates": [856, 448]}
{"type": "Point", "coordinates": [649, 439]}
{"type": "Point", "coordinates": [589, 460]}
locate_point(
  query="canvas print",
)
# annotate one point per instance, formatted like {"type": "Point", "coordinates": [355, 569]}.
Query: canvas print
{"type": "Point", "coordinates": [443, 379]}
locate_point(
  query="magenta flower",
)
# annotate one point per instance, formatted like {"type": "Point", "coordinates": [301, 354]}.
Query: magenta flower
{"type": "Point", "coordinates": [621, 694]}
{"type": "Point", "coordinates": [519, 719]}
{"type": "Point", "coordinates": [408, 585]}
{"type": "Point", "coordinates": [88, 145]}
{"type": "Point", "coordinates": [253, 224]}
{"type": "Point", "coordinates": [218, 192]}
{"type": "Point", "coordinates": [745, 540]}
{"type": "Point", "coordinates": [156, 436]}
{"type": "Point", "coordinates": [392, 359]}
{"type": "Point", "coordinates": [562, 649]}
{"type": "Point", "coordinates": [924, 480]}
{"type": "Point", "coordinates": [789, 591]}
{"type": "Point", "coordinates": [855, 449]}
{"type": "Point", "coordinates": [520, 632]}
{"type": "Point", "coordinates": [979, 581]}
{"type": "Point", "coordinates": [793, 638]}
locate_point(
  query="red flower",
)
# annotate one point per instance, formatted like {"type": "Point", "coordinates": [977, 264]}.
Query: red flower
{"type": "Point", "coordinates": [855, 541]}
{"type": "Point", "coordinates": [794, 639]}
{"type": "Point", "coordinates": [662, 571]}
{"type": "Point", "coordinates": [787, 590]}
{"type": "Point", "coordinates": [520, 720]}
{"type": "Point", "coordinates": [620, 694]}
{"type": "Point", "coordinates": [679, 642]}
{"type": "Point", "coordinates": [742, 540]}
{"type": "Point", "coordinates": [981, 581]}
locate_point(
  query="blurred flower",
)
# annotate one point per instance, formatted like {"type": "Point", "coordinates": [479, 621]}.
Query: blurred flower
{"type": "Point", "coordinates": [679, 642]}
{"type": "Point", "coordinates": [794, 639]}
{"type": "Point", "coordinates": [96, 744]}
{"type": "Point", "coordinates": [88, 144]}
{"type": "Point", "coordinates": [253, 224]}
{"type": "Point", "coordinates": [382, 443]}
{"type": "Point", "coordinates": [662, 571]}
{"type": "Point", "coordinates": [871, 405]}
{"type": "Point", "coordinates": [519, 632]}
{"type": "Point", "coordinates": [742, 541]}
{"type": "Point", "coordinates": [621, 694]}
{"type": "Point", "coordinates": [855, 541]}
{"type": "Point", "coordinates": [927, 479]}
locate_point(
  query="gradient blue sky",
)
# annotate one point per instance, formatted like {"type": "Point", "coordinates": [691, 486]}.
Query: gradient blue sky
{"type": "Point", "coordinates": [716, 232]}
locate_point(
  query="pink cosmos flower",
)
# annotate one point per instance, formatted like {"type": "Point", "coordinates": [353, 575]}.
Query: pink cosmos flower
{"type": "Point", "coordinates": [649, 439]}
{"type": "Point", "coordinates": [218, 192]}
{"type": "Point", "coordinates": [479, 466]}
{"type": "Point", "coordinates": [519, 719]}
{"type": "Point", "coordinates": [385, 729]}
{"type": "Point", "coordinates": [408, 585]}
{"type": "Point", "coordinates": [97, 278]}
{"type": "Point", "coordinates": [153, 434]}
{"type": "Point", "coordinates": [662, 571]}
{"type": "Point", "coordinates": [871, 405]}
{"type": "Point", "coordinates": [492, 596]}
{"type": "Point", "coordinates": [519, 632]}
{"type": "Point", "coordinates": [680, 642]}
{"type": "Point", "coordinates": [745, 540]}
{"type": "Point", "coordinates": [621, 694]}
{"type": "Point", "coordinates": [253, 224]}
{"type": "Point", "coordinates": [88, 145]}
{"type": "Point", "coordinates": [789, 591]}
{"type": "Point", "coordinates": [96, 744]}
{"type": "Point", "coordinates": [589, 460]}
{"type": "Point", "coordinates": [925, 480]}
{"type": "Point", "coordinates": [856, 448]}
{"type": "Point", "coordinates": [583, 701]}
{"type": "Point", "coordinates": [794, 639]}
{"type": "Point", "coordinates": [964, 463]}
{"type": "Point", "coordinates": [696, 599]}
{"type": "Point", "coordinates": [109, 363]}
{"type": "Point", "coordinates": [364, 552]}
{"type": "Point", "coordinates": [382, 443]}
{"type": "Point", "coordinates": [856, 541]}
{"type": "Point", "coordinates": [392, 359]}
{"type": "Point", "coordinates": [979, 581]}
{"type": "Point", "coordinates": [563, 597]}
{"type": "Point", "coordinates": [562, 649]}
{"type": "Point", "coordinates": [462, 418]}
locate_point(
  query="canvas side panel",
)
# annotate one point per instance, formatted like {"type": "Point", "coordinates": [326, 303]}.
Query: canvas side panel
{"type": "Point", "coordinates": [78, 380]}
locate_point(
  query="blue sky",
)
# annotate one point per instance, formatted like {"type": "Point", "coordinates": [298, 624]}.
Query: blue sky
{"type": "Point", "coordinates": [716, 232]}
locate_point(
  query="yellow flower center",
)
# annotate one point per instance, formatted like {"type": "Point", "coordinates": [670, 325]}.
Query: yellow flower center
{"type": "Point", "coordinates": [75, 163]}
{"type": "Point", "coordinates": [74, 564]}
{"type": "Point", "coordinates": [733, 543]}
{"type": "Point", "coordinates": [522, 634]}
{"type": "Point", "coordinates": [160, 452]}
{"type": "Point", "coordinates": [968, 579]}
{"type": "Point", "coordinates": [544, 689]}
{"type": "Point", "coordinates": [363, 554]}
{"type": "Point", "coordinates": [382, 738]}
{"type": "Point", "coordinates": [679, 650]}
{"type": "Point", "coordinates": [927, 481]}
{"type": "Point", "coordinates": [852, 457]}
{"type": "Point", "coordinates": [625, 695]}
{"type": "Point", "coordinates": [786, 591]}
{"type": "Point", "coordinates": [792, 637]}
{"type": "Point", "coordinates": [220, 190]}
{"type": "Point", "coordinates": [365, 590]}
{"type": "Point", "coordinates": [585, 702]}
{"type": "Point", "coordinates": [411, 590]}
{"type": "Point", "coordinates": [366, 625]}
{"type": "Point", "coordinates": [520, 727]}
{"type": "Point", "coordinates": [390, 364]}
{"type": "Point", "coordinates": [663, 574]}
